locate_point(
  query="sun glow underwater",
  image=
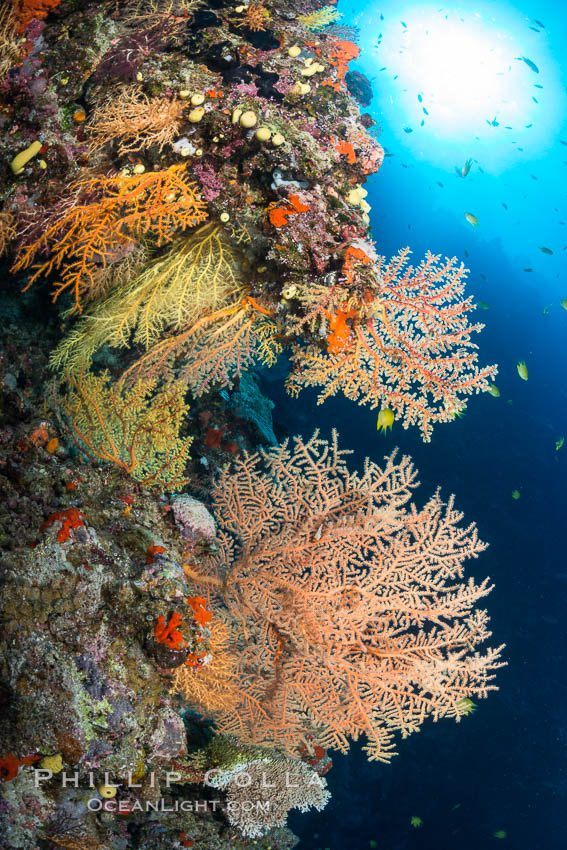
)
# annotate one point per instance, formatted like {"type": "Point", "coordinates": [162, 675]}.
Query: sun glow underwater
{"type": "Point", "coordinates": [452, 73]}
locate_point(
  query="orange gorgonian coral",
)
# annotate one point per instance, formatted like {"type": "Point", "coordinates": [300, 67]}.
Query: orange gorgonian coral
{"type": "Point", "coordinates": [135, 122]}
{"type": "Point", "coordinates": [407, 347]}
{"type": "Point", "coordinates": [255, 17]}
{"type": "Point", "coordinates": [101, 219]}
{"type": "Point", "coordinates": [350, 612]}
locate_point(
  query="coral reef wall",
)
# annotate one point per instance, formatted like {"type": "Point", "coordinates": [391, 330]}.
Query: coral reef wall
{"type": "Point", "coordinates": [185, 613]}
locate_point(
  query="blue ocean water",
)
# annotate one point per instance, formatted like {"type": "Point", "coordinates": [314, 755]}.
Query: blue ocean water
{"type": "Point", "coordinates": [500, 775]}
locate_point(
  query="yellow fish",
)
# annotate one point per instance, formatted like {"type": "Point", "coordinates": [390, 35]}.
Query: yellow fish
{"type": "Point", "coordinates": [545, 310]}
{"type": "Point", "coordinates": [472, 219]}
{"type": "Point", "coordinates": [416, 822]}
{"type": "Point", "coordinates": [466, 706]}
{"type": "Point", "coordinates": [494, 391]}
{"type": "Point", "coordinates": [564, 303]}
{"type": "Point", "coordinates": [500, 833]}
{"type": "Point", "coordinates": [522, 370]}
{"type": "Point", "coordinates": [559, 443]}
{"type": "Point", "coordinates": [466, 168]}
{"type": "Point", "coordinates": [483, 305]}
{"type": "Point", "coordinates": [515, 494]}
{"type": "Point", "coordinates": [385, 419]}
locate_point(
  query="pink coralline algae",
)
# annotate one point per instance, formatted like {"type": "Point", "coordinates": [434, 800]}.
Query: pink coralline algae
{"type": "Point", "coordinates": [211, 187]}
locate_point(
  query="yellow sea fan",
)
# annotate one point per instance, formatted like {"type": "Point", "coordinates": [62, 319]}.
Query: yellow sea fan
{"type": "Point", "coordinates": [137, 428]}
{"type": "Point", "coordinates": [198, 276]}
{"type": "Point", "coordinates": [320, 18]}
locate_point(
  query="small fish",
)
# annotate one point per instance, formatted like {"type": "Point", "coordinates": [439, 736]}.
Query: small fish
{"type": "Point", "coordinates": [466, 706]}
{"type": "Point", "coordinates": [385, 420]}
{"type": "Point", "coordinates": [494, 391]}
{"type": "Point", "coordinates": [528, 269]}
{"type": "Point", "coordinates": [528, 126]}
{"type": "Point", "coordinates": [545, 310]}
{"type": "Point", "coordinates": [535, 100]}
{"type": "Point", "coordinates": [482, 305]}
{"type": "Point", "coordinates": [522, 370]}
{"type": "Point", "coordinates": [493, 123]}
{"type": "Point", "coordinates": [529, 63]}
{"type": "Point", "coordinates": [562, 142]}
{"type": "Point", "coordinates": [539, 23]}
{"type": "Point", "coordinates": [504, 205]}
{"type": "Point", "coordinates": [483, 277]}
{"type": "Point", "coordinates": [535, 29]}
{"type": "Point", "coordinates": [501, 833]}
{"type": "Point", "coordinates": [408, 130]}
{"type": "Point", "coordinates": [466, 168]}
{"type": "Point", "coordinates": [559, 443]}
{"type": "Point", "coordinates": [533, 176]}
{"type": "Point", "coordinates": [425, 110]}
{"type": "Point", "coordinates": [466, 253]}
{"type": "Point", "coordinates": [420, 98]}
{"type": "Point", "coordinates": [416, 822]}
{"type": "Point", "coordinates": [405, 26]}
{"type": "Point", "coordinates": [441, 184]}
{"type": "Point", "coordinates": [545, 250]}
{"type": "Point", "coordinates": [515, 495]}
{"type": "Point", "coordinates": [472, 219]}
{"type": "Point", "coordinates": [537, 86]}
{"type": "Point", "coordinates": [422, 122]}
{"type": "Point", "coordinates": [563, 303]}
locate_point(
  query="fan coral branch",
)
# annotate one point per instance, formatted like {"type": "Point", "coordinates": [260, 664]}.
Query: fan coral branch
{"type": "Point", "coordinates": [350, 612]}
{"type": "Point", "coordinates": [135, 121]}
{"type": "Point", "coordinates": [318, 20]}
{"type": "Point", "coordinates": [135, 429]}
{"type": "Point", "coordinates": [215, 350]}
{"type": "Point", "coordinates": [198, 276]}
{"type": "Point", "coordinates": [102, 217]}
{"type": "Point", "coordinates": [408, 348]}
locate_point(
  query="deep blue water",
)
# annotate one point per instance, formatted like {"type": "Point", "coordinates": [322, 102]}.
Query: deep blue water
{"type": "Point", "coordinates": [504, 767]}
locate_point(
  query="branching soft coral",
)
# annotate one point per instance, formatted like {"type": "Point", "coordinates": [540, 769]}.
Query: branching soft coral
{"type": "Point", "coordinates": [100, 218]}
{"type": "Point", "coordinates": [135, 121]}
{"type": "Point", "coordinates": [407, 348]}
{"type": "Point", "coordinates": [199, 275]}
{"type": "Point", "coordinates": [214, 350]}
{"type": "Point", "coordinates": [351, 614]}
{"type": "Point", "coordinates": [10, 39]}
{"type": "Point", "coordinates": [137, 429]}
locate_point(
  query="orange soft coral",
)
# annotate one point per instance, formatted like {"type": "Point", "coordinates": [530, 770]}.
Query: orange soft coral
{"type": "Point", "coordinates": [353, 256]}
{"type": "Point", "coordinates": [70, 518]}
{"type": "Point", "coordinates": [168, 633]}
{"type": "Point", "coordinates": [9, 765]}
{"type": "Point", "coordinates": [346, 149]}
{"type": "Point", "coordinates": [341, 336]}
{"type": "Point", "coordinates": [27, 10]}
{"type": "Point", "coordinates": [201, 614]}
{"type": "Point", "coordinates": [278, 215]}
